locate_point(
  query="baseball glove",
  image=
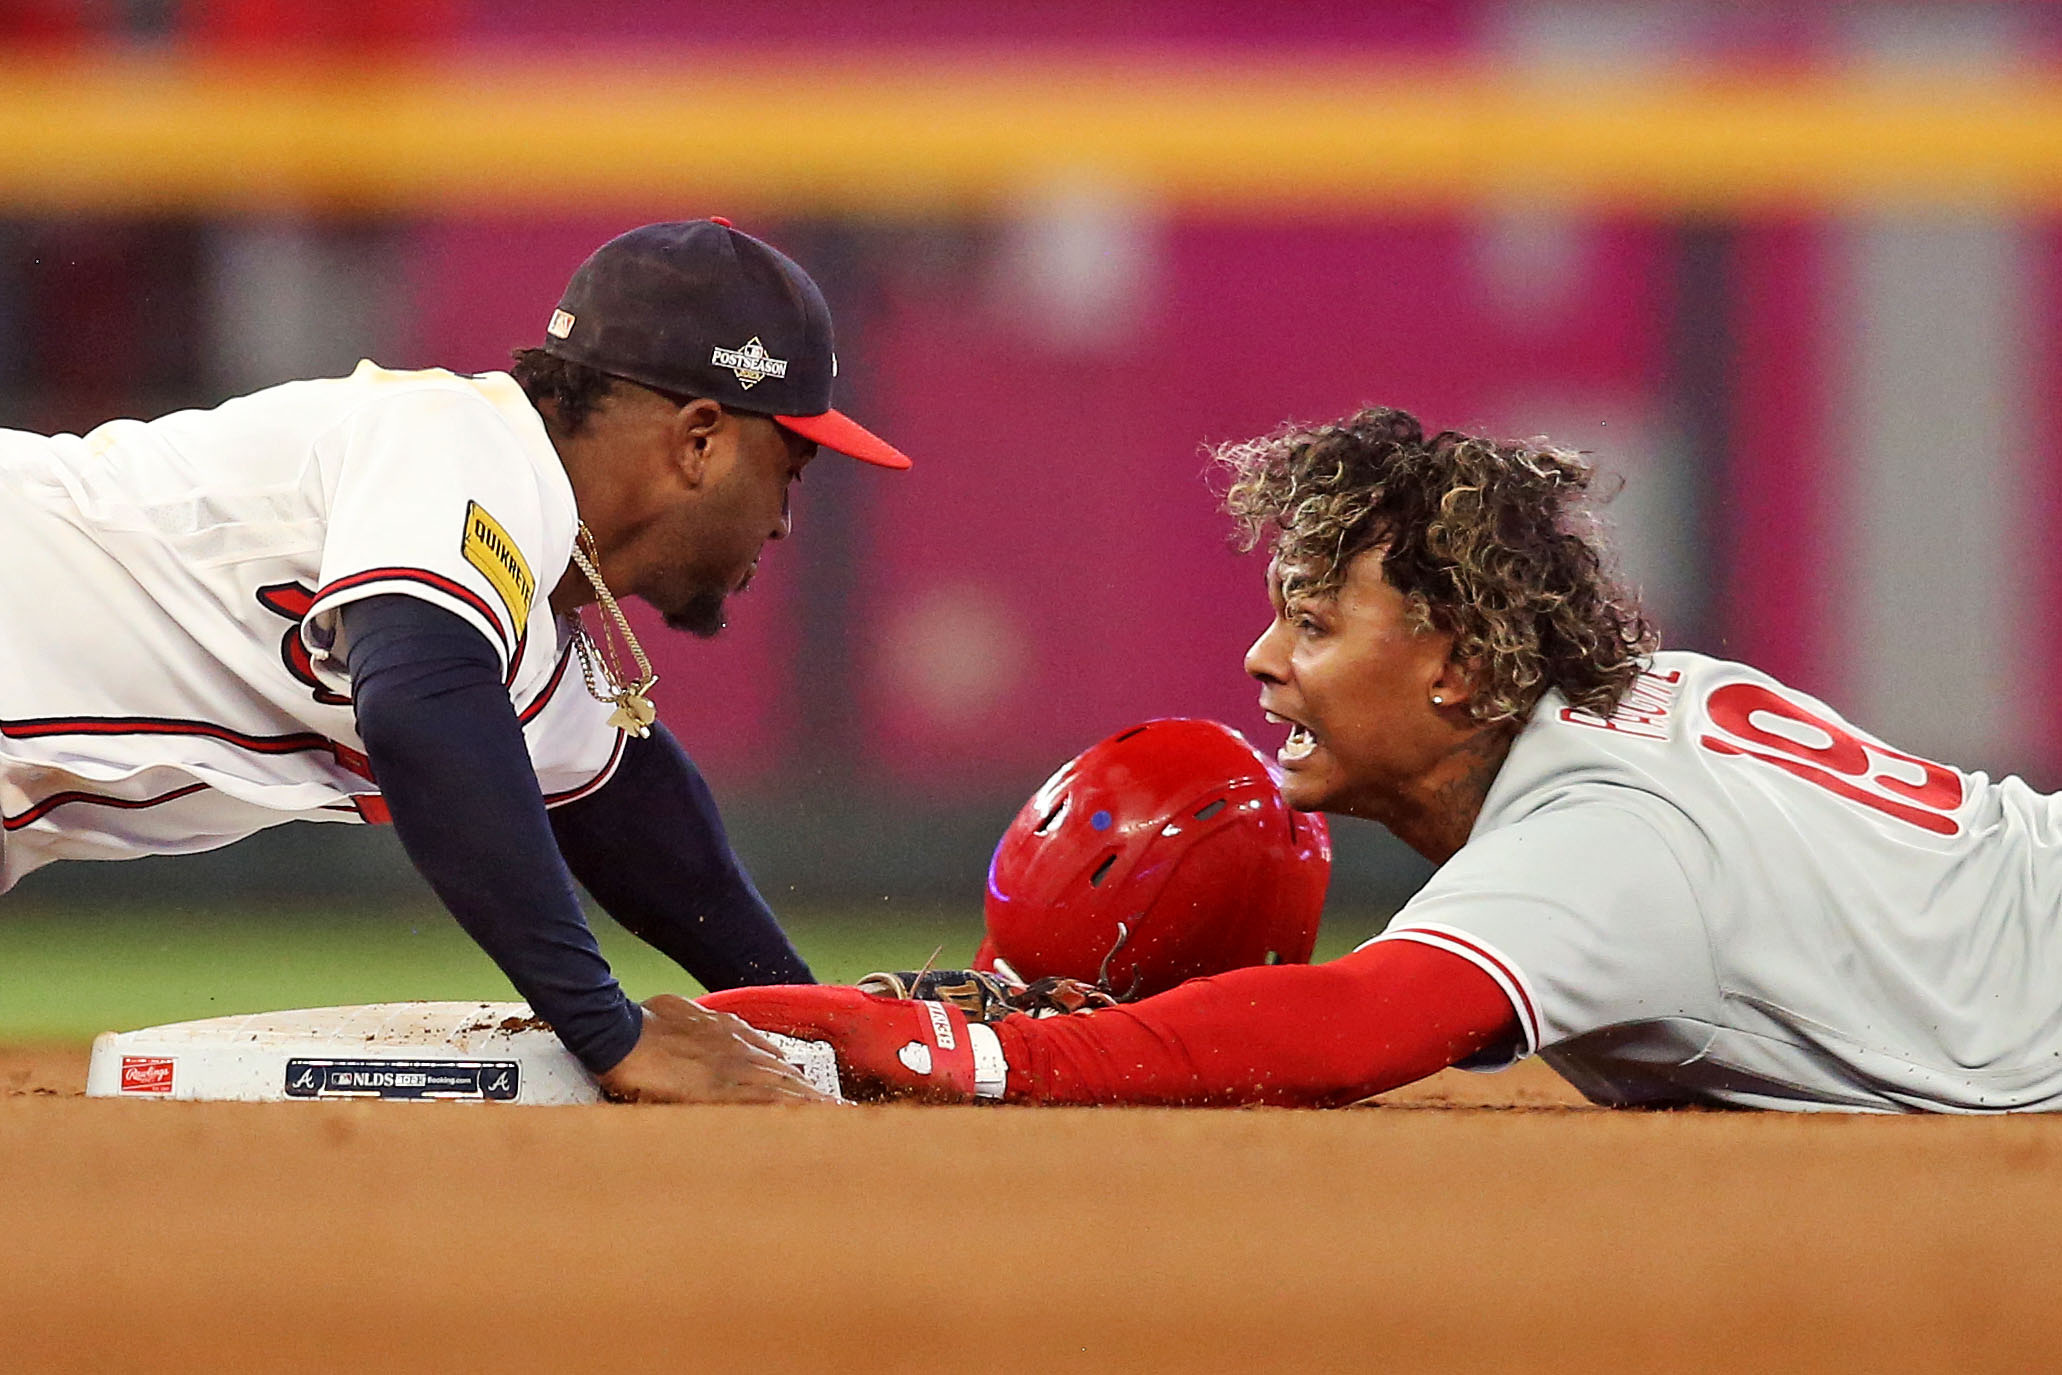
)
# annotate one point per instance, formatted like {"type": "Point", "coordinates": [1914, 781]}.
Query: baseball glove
{"type": "Point", "coordinates": [985, 997]}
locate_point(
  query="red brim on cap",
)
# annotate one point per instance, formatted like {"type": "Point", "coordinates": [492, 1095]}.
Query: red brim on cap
{"type": "Point", "coordinates": [841, 434]}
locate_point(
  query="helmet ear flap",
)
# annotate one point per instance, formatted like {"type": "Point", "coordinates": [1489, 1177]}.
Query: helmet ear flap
{"type": "Point", "coordinates": [1160, 854]}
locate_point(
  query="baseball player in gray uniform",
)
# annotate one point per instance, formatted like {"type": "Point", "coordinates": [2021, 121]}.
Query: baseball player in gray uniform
{"type": "Point", "coordinates": [1674, 878]}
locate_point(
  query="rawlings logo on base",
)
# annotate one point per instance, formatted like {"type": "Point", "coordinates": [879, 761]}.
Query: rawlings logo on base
{"type": "Point", "coordinates": [146, 1074]}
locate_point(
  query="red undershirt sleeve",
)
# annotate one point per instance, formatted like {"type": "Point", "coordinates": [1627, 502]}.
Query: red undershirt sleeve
{"type": "Point", "coordinates": [1320, 1035]}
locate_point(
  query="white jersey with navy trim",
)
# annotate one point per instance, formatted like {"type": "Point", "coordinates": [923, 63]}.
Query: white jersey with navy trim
{"type": "Point", "coordinates": [169, 598]}
{"type": "Point", "coordinates": [1727, 894]}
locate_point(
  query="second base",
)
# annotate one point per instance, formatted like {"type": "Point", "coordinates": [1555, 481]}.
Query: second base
{"type": "Point", "coordinates": [413, 1052]}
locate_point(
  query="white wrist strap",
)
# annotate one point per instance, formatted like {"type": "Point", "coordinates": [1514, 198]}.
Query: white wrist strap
{"type": "Point", "coordinates": [991, 1071]}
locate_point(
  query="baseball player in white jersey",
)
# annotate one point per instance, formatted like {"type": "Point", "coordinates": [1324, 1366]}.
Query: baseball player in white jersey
{"type": "Point", "coordinates": [358, 600]}
{"type": "Point", "coordinates": [188, 575]}
{"type": "Point", "coordinates": [1676, 879]}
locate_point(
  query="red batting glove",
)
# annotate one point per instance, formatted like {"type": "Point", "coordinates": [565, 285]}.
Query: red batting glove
{"type": "Point", "coordinates": [886, 1047]}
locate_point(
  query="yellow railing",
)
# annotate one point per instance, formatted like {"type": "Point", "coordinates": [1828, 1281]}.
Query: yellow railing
{"type": "Point", "coordinates": [910, 134]}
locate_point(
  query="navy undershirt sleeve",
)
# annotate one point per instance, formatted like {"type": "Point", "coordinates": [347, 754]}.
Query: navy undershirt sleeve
{"type": "Point", "coordinates": [448, 754]}
{"type": "Point", "coordinates": [650, 846]}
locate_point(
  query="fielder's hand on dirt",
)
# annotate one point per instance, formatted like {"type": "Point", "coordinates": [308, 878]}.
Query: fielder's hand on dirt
{"type": "Point", "coordinates": [887, 1047]}
{"type": "Point", "coordinates": [687, 1054]}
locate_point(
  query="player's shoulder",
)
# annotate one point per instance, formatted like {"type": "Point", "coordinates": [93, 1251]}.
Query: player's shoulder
{"type": "Point", "coordinates": [371, 384]}
{"type": "Point", "coordinates": [1638, 756]}
{"type": "Point", "coordinates": [378, 405]}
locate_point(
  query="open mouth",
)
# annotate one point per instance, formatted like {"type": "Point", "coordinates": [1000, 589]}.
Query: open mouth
{"type": "Point", "coordinates": [1300, 742]}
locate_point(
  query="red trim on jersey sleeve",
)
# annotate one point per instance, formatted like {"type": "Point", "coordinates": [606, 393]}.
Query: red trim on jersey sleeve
{"type": "Point", "coordinates": [1490, 961]}
{"type": "Point", "coordinates": [1320, 1035]}
{"type": "Point", "coordinates": [503, 633]}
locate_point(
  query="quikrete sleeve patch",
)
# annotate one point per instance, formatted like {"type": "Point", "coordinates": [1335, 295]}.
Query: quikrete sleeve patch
{"type": "Point", "coordinates": [488, 548]}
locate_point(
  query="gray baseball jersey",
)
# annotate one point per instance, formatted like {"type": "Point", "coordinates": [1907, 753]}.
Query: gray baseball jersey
{"type": "Point", "coordinates": [169, 592]}
{"type": "Point", "coordinates": [1727, 894]}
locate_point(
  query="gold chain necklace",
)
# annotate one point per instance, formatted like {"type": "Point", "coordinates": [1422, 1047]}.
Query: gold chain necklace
{"type": "Point", "coordinates": [634, 710]}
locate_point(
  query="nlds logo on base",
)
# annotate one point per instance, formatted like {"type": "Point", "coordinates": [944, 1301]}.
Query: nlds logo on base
{"type": "Point", "coordinates": [146, 1074]}
{"type": "Point", "coordinates": [492, 1080]}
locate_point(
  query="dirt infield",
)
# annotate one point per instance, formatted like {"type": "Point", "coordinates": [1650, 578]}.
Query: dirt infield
{"type": "Point", "coordinates": [1452, 1236]}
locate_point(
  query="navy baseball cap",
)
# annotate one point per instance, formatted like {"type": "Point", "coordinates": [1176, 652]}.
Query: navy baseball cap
{"type": "Point", "coordinates": [696, 308]}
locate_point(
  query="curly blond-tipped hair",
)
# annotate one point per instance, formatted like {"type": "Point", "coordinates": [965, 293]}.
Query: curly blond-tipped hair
{"type": "Point", "coordinates": [1489, 542]}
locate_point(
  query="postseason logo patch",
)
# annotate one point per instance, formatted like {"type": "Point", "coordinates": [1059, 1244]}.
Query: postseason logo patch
{"type": "Point", "coordinates": [493, 1080]}
{"type": "Point", "coordinates": [487, 547]}
{"type": "Point", "coordinates": [751, 363]}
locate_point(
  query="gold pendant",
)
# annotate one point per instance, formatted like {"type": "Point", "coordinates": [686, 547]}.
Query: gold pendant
{"type": "Point", "coordinates": [634, 711]}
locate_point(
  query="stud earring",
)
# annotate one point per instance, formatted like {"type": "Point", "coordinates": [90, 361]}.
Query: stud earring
{"type": "Point", "coordinates": [1437, 700]}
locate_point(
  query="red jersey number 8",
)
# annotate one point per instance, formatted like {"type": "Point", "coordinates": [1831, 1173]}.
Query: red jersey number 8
{"type": "Point", "coordinates": [1862, 771]}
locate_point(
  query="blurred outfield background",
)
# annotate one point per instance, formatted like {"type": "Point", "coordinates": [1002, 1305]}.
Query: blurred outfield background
{"type": "Point", "coordinates": [1787, 267]}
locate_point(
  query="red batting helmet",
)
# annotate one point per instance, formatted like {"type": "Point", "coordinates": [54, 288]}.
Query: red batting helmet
{"type": "Point", "coordinates": [1161, 854]}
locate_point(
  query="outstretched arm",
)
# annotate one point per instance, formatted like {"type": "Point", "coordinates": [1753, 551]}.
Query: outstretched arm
{"type": "Point", "coordinates": [1290, 1035]}
{"type": "Point", "coordinates": [1316, 1035]}
{"type": "Point", "coordinates": [449, 758]}
{"type": "Point", "coordinates": [650, 846]}
{"type": "Point", "coordinates": [448, 753]}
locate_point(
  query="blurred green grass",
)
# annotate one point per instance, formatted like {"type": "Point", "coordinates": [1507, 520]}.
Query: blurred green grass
{"type": "Point", "coordinates": [67, 974]}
